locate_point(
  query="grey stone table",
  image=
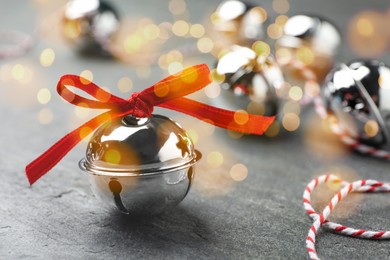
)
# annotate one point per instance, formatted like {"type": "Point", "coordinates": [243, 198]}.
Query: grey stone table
{"type": "Point", "coordinates": [261, 217]}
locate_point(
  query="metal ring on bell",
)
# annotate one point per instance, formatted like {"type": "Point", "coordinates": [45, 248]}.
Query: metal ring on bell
{"type": "Point", "coordinates": [358, 95]}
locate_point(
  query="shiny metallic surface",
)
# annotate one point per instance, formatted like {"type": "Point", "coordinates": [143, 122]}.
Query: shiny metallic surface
{"type": "Point", "coordinates": [318, 35]}
{"type": "Point", "coordinates": [140, 166]}
{"type": "Point", "coordinates": [252, 77]}
{"type": "Point", "coordinates": [90, 25]}
{"type": "Point", "coordinates": [240, 22]}
{"type": "Point", "coordinates": [359, 96]}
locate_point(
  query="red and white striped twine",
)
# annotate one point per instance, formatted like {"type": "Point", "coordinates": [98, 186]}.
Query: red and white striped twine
{"type": "Point", "coordinates": [321, 219]}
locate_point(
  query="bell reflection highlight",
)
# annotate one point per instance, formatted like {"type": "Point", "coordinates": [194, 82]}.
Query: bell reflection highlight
{"type": "Point", "coordinates": [141, 166]}
{"type": "Point", "coordinates": [358, 95]}
{"type": "Point", "coordinates": [90, 25]}
{"type": "Point", "coordinates": [239, 22]}
{"type": "Point", "coordinates": [310, 40]}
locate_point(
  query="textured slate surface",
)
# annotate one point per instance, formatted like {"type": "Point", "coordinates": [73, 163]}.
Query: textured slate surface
{"type": "Point", "coordinates": [261, 217]}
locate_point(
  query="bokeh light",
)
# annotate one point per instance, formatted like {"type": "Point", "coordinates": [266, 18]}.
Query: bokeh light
{"type": "Point", "coordinates": [197, 30]}
{"type": "Point", "coordinates": [371, 128]}
{"type": "Point", "coordinates": [45, 116]}
{"type": "Point", "coordinates": [273, 130]}
{"type": "Point", "coordinates": [47, 57]}
{"type": "Point", "coordinates": [291, 122]}
{"type": "Point", "coordinates": [180, 28]}
{"type": "Point", "coordinates": [125, 84]}
{"type": "Point", "coordinates": [205, 45]}
{"type": "Point", "coordinates": [44, 96]}
{"type": "Point", "coordinates": [281, 6]}
{"type": "Point", "coordinates": [295, 93]}
{"type": "Point", "coordinates": [177, 7]}
{"type": "Point", "coordinates": [215, 159]}
{"type": "Point", "coordinates": [213, 90]}
{"type": "Point", "coordinates": [86, 77]}
{"type": "Point", "coordinates": [239, 172]}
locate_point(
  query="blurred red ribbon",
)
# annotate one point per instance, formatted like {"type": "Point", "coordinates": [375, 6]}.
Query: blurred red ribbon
{"type": "Point", "coordinates": [167, 93]}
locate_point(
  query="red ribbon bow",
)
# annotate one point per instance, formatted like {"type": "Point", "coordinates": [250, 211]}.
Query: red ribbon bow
{"type": "Point", "coordinates": [167, 93]}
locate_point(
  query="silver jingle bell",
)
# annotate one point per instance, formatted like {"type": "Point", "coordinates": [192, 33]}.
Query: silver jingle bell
{"type": "Point", "coordinates": [253, 79]}
{"type": "Point", "coordinates": [90, 26]}
{"type": "Point", "coordinates": [240, 22]}
{"type": "Point", "coordinates": [358, 95]}
{"type": "Point", "coordinates": [141, 166]}
{"type": "Point", "coordinates": [317, 40]}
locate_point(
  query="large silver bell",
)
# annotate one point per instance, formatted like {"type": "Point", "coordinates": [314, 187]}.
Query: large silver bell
{"type": "Point", "coordinates": [141, 166]}
{"type": "Point", "coordinates": [358, 95]}
{"type": "Point", "coordinates": [90, 25]}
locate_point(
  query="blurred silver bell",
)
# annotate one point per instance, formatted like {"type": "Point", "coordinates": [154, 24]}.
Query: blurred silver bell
{"type": "Point", "coordinates": [90, 25]}
{"type": "Point", "coordinates": [312, 41]}
{"type": "Point", "coordinates": [358, 95]}
{"type": "Point", "coordinates": [239, 22]}
{"type": "Point", "coordinates": [253, 78]}
{"type": "Point", "coordinates": [140, 166]}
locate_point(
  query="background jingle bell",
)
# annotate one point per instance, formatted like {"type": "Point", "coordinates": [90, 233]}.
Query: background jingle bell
{"type": "Point", "coordinates": [143, 30]}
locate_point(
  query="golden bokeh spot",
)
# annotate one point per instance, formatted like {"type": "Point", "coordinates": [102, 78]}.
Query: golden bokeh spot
{"type": "Point", "coordinates": [86, 77]}
{"type": "Point", "coordinates": [295, 93]}
{"type": "Point", "coordinates": [274, 31]}
{"type": "Point", "coordinates": [241, 117]}
{"type": "Point", "coordinates": [72, 29]}
{"type": "Point", "coordinates": [125, 84]}
{"type": "Point", "coordinates": [84, 132]}
{"type": "Point", "coordinates": [365, 27]}
{"type": "Point", "coordinates": [112, 156]}
{"type": "Point", "coordinates": [151, 32]}
{"type": "Point", "coordinates": [284, 55]}
{"type": "Point", "coordinates": [256, 108]}
{"type": "Point", "coordinates": [205, 45]}
{"type": "Point", "coordinates": [213, 90]}
{"type": "Point", "coordinates": [161, 90]}
{"type": "Point", "coordinates": [189, 75]}
{"type": "Point", "coordinates": [261, 48]}
{"type": "Point", "coordinates": [239, 172]}
{"type": "Point", "coordinates": [197, 30]}
{"type": "Point", "coordinates": [215, 159]}
{"type": "Point", "coordinates": [18, 71]}
{"type": "Point", "coordinates": [371, 128]}
{"type": "Point", "coordinates": [177, 7]}
{"type": "Point", "coordinates": [133, 43]}
{"type": "Point", "coordinates": [217, 78]}
{"type": "Point", "coordinates": [292, 107]}
{"type": "Point", "coordinates": [45, 116]}
{"type": "Point", "coordinates": [281, 6]}
{"type": "Point", "coordinates": [273, 130]}
{"type": "Point", "coordinates": [44, 96]}
{"type": "Point", "coordinates": [260, 13]}
{"type": "Point", "coordinates": [47, 57]}
{"type": "Point", "coordinates": [281, 20]}
{"type": "Point", "coordinates": [174, 67]}
{"type": "Point", "coordinates": [193, 135]}
{"type": "Point", "coordinates": [305, 55]}
{"type": "Point", "coordinates": [180, 28]}
{"type": "Point", "coordinates": [103, 94]}
{"type": "Point", "coordinates": [291, 122]}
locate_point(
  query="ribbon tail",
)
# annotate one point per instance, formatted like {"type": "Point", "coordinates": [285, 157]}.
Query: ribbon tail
{"type": "Point", "coordinates": [40, 166]}
{"type": "Point", "coordinates": [253, 124]}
